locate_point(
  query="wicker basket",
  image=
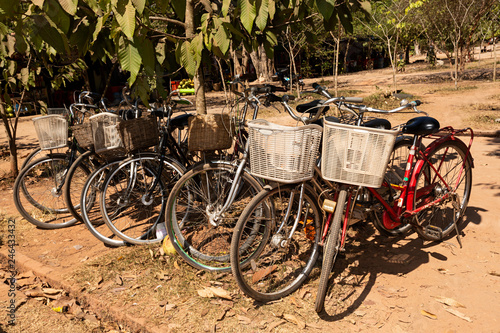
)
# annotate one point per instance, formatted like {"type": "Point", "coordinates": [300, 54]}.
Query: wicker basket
{"type": "Point", "coordinates": [83, 135]}
{"type": "Point", "coordinates": [52, 131]}
{"type": "Point", "coordinates": [210, 132]}
{"type": "Point", "coordinates": [283, 153]}
{"type": "Point", "coordinates": [105, 133]}
{"type": "Point", "coordinates": [356, 155]}
{"type": "Point", "coordinates": [139, 133]}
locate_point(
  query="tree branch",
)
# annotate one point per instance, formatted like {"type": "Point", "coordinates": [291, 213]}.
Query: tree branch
{"type": "Point", "coordinates": [169, 20]}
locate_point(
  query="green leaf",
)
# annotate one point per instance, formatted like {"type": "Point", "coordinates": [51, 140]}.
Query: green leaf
{"type": "Point", "coordinates": [271, 9]}
{"type": "Point", "coordinates": [11, 45]}
{"type": "Point", "coordinates": [160, 51]}
{"type": "Point", "coordinates": [248, 14]}
{"type": "Point", "coordinates": [69, 6]}
{"type": "Point", "coordinates": [147, 52]}
{"type": "Point", "coordinates": [25, 73]}
{"type": "Point", "coordinates": [125, 16]}
{"type": "Point", "coordinates": [179, 8]}
{"type": "Point", "coordinates": [184, 57]}
{"type": "Point", "coordinates": [129, 57]}
{"type": "Point", "coordinates": [271, 38]}
{"type": "Point", "coordinates": [325, 8]}
{"type": "Point", "coordinates": [263, 14]}
{"type": "Point", "coordinates": [345, 17]}
{"type": "Point", "coordinates": [50, 34]}
{"type": "Point", "coordinates": [225, 7]}
{"type": "Point", "coordinates": [221, 39]}
{"type": "Point", "coordinates": [81, 36]}
{"type": "Point", "coordinates": [139, 5]}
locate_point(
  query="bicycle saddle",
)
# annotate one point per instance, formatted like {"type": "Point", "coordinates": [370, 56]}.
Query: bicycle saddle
{"type": "Point", "coordinates": [421, 126]}
{"type": "Point", "coordinates": [180, 121]}
{"type": "Point", "coordinates": [311, 107]}
{"type": "Point", "coordinates": [378, 123]}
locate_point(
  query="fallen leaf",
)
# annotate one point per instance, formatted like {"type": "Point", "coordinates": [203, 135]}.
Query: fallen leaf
{"type": "Point", "coordinates": [204, 312]}
{"type": "Point", "coordinates": [291, 318]}
{"type": "Point", "coordinates": [219, 292]}
{"type": "Point", "coordinates": [428, 314]}
{"type": "Point", "coordinates": [314, 326]}
{"type": "Point", "coordinates": [260, 274]}
{"type": "Point", "coordinates": [119, 280]}
{"type": "Point", "coordinates": [176, 265]}
{"type": "Point", "coordinates": [205, 293]}
{"type": "Point", "coordinates": [294, 302]}
{"type": "Point", "coordinates": [458, 314]}
{"type": "Point", "coordinates": [275, 324]}
{"type": "Point", "coordinates": [449, 301]}
{"type": "Point", "coordinates": [244, 320]}
{"type": "Point", "coordinates": [25, 275]}
{"type": "Point", "coordinates": [169, 307]}
{"type": "Point", "coordinates": [51, 291]}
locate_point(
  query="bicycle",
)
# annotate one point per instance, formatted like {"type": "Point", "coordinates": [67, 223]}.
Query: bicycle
{"type": "Point", "coordinates": [432, 199]}
{"type": "Point", "coordinates": [38, 189]}
{"type": "Point", "coordinates": [283, 225]}
{"type": "Point", "coordinates": [133, 193]}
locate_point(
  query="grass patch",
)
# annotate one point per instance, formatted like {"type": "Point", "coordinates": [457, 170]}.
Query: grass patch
{"type": "Point", "coordinates": [381, 101]}
{"type": "Point", "coordinates": [452, 89]}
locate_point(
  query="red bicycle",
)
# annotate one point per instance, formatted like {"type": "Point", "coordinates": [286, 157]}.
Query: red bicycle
{"type": "Point", "coordinates": [432, 197]}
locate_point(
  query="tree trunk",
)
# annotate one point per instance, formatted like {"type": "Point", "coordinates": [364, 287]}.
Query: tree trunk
{"type": "Point", "coordinates": [336, 59]}
{"type": "Point", "coordinates": [199, 80]}
{"type": "Point", "coordinates": [392, 58]}
{"type": "Point", "coordinates": [11, 135]}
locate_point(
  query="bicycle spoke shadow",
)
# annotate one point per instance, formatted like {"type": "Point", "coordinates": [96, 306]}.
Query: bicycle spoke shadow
{"type": "Point", "coordinates": [367, 256]}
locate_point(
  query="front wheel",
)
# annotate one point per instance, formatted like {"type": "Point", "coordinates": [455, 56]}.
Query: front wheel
{"type": "Point", "coordinates": [197, 223]}
{"type": "Point", "coordinates": [331, 250]}
{"type": "Point", "coordinates": [276, 242]}
{"type": "Point", "coordinates": [134, 196]}
{"type": "Point", "coordinates": [38, 192]}
{"type": "Point", "coordinates": [451, 185]}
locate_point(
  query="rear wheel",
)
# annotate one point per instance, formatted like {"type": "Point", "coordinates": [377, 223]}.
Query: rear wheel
{"type": "Point", "coordinates": [393, 182]}
{"type": "Point", "coordinates": [453, 190]}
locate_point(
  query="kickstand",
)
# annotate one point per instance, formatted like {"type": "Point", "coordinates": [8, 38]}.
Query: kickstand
{"type": "Point", "coordinates": [458, 235]}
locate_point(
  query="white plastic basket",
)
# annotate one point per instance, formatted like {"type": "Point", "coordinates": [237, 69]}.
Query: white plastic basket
{"type": "Point", "coordinates": [105, 132]}
{"type": "Point", "coordinates": [356, 155]}
{"type": "Point", "coordinates": [52, 131]}
{"type": "Point", "coordinates": [283, 153]}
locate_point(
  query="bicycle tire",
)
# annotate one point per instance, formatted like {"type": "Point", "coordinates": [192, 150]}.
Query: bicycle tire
{"type": "Point", "coordinates": [38, 192]}
{"type": "Point", "coordinates": [125, 206]}
{"type": "Point", "coordinates": [90, 210]}
{"type": "Point", "coordinates": [200, 234]}
{"type": "Point", "coordinates": [31, 157]}
{"type": "Point", "coordinates": [330, 251]}
{"type": "Point", "coordinates": [272, 267]}
{"type": "Point", "coordinates": [438, 221]}
{"type": "Point", "coordinates": [76, 178]}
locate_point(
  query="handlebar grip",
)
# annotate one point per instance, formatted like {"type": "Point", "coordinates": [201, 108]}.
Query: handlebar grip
{"type": "Point", "coordinates": [315, 85]}
{"type": "Point", "coordinates": [353, 99]}
{"type": "Point", "coordinates": [416, 102]}
{"type": "Point", "coordinates": [287, 98]}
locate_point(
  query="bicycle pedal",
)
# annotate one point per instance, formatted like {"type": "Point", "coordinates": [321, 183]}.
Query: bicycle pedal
{"type": "Point", "coordinates": [434, 232]}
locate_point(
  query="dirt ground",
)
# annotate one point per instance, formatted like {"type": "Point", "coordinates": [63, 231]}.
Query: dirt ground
{"type": "Point", "coordinates": [381, 284]}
